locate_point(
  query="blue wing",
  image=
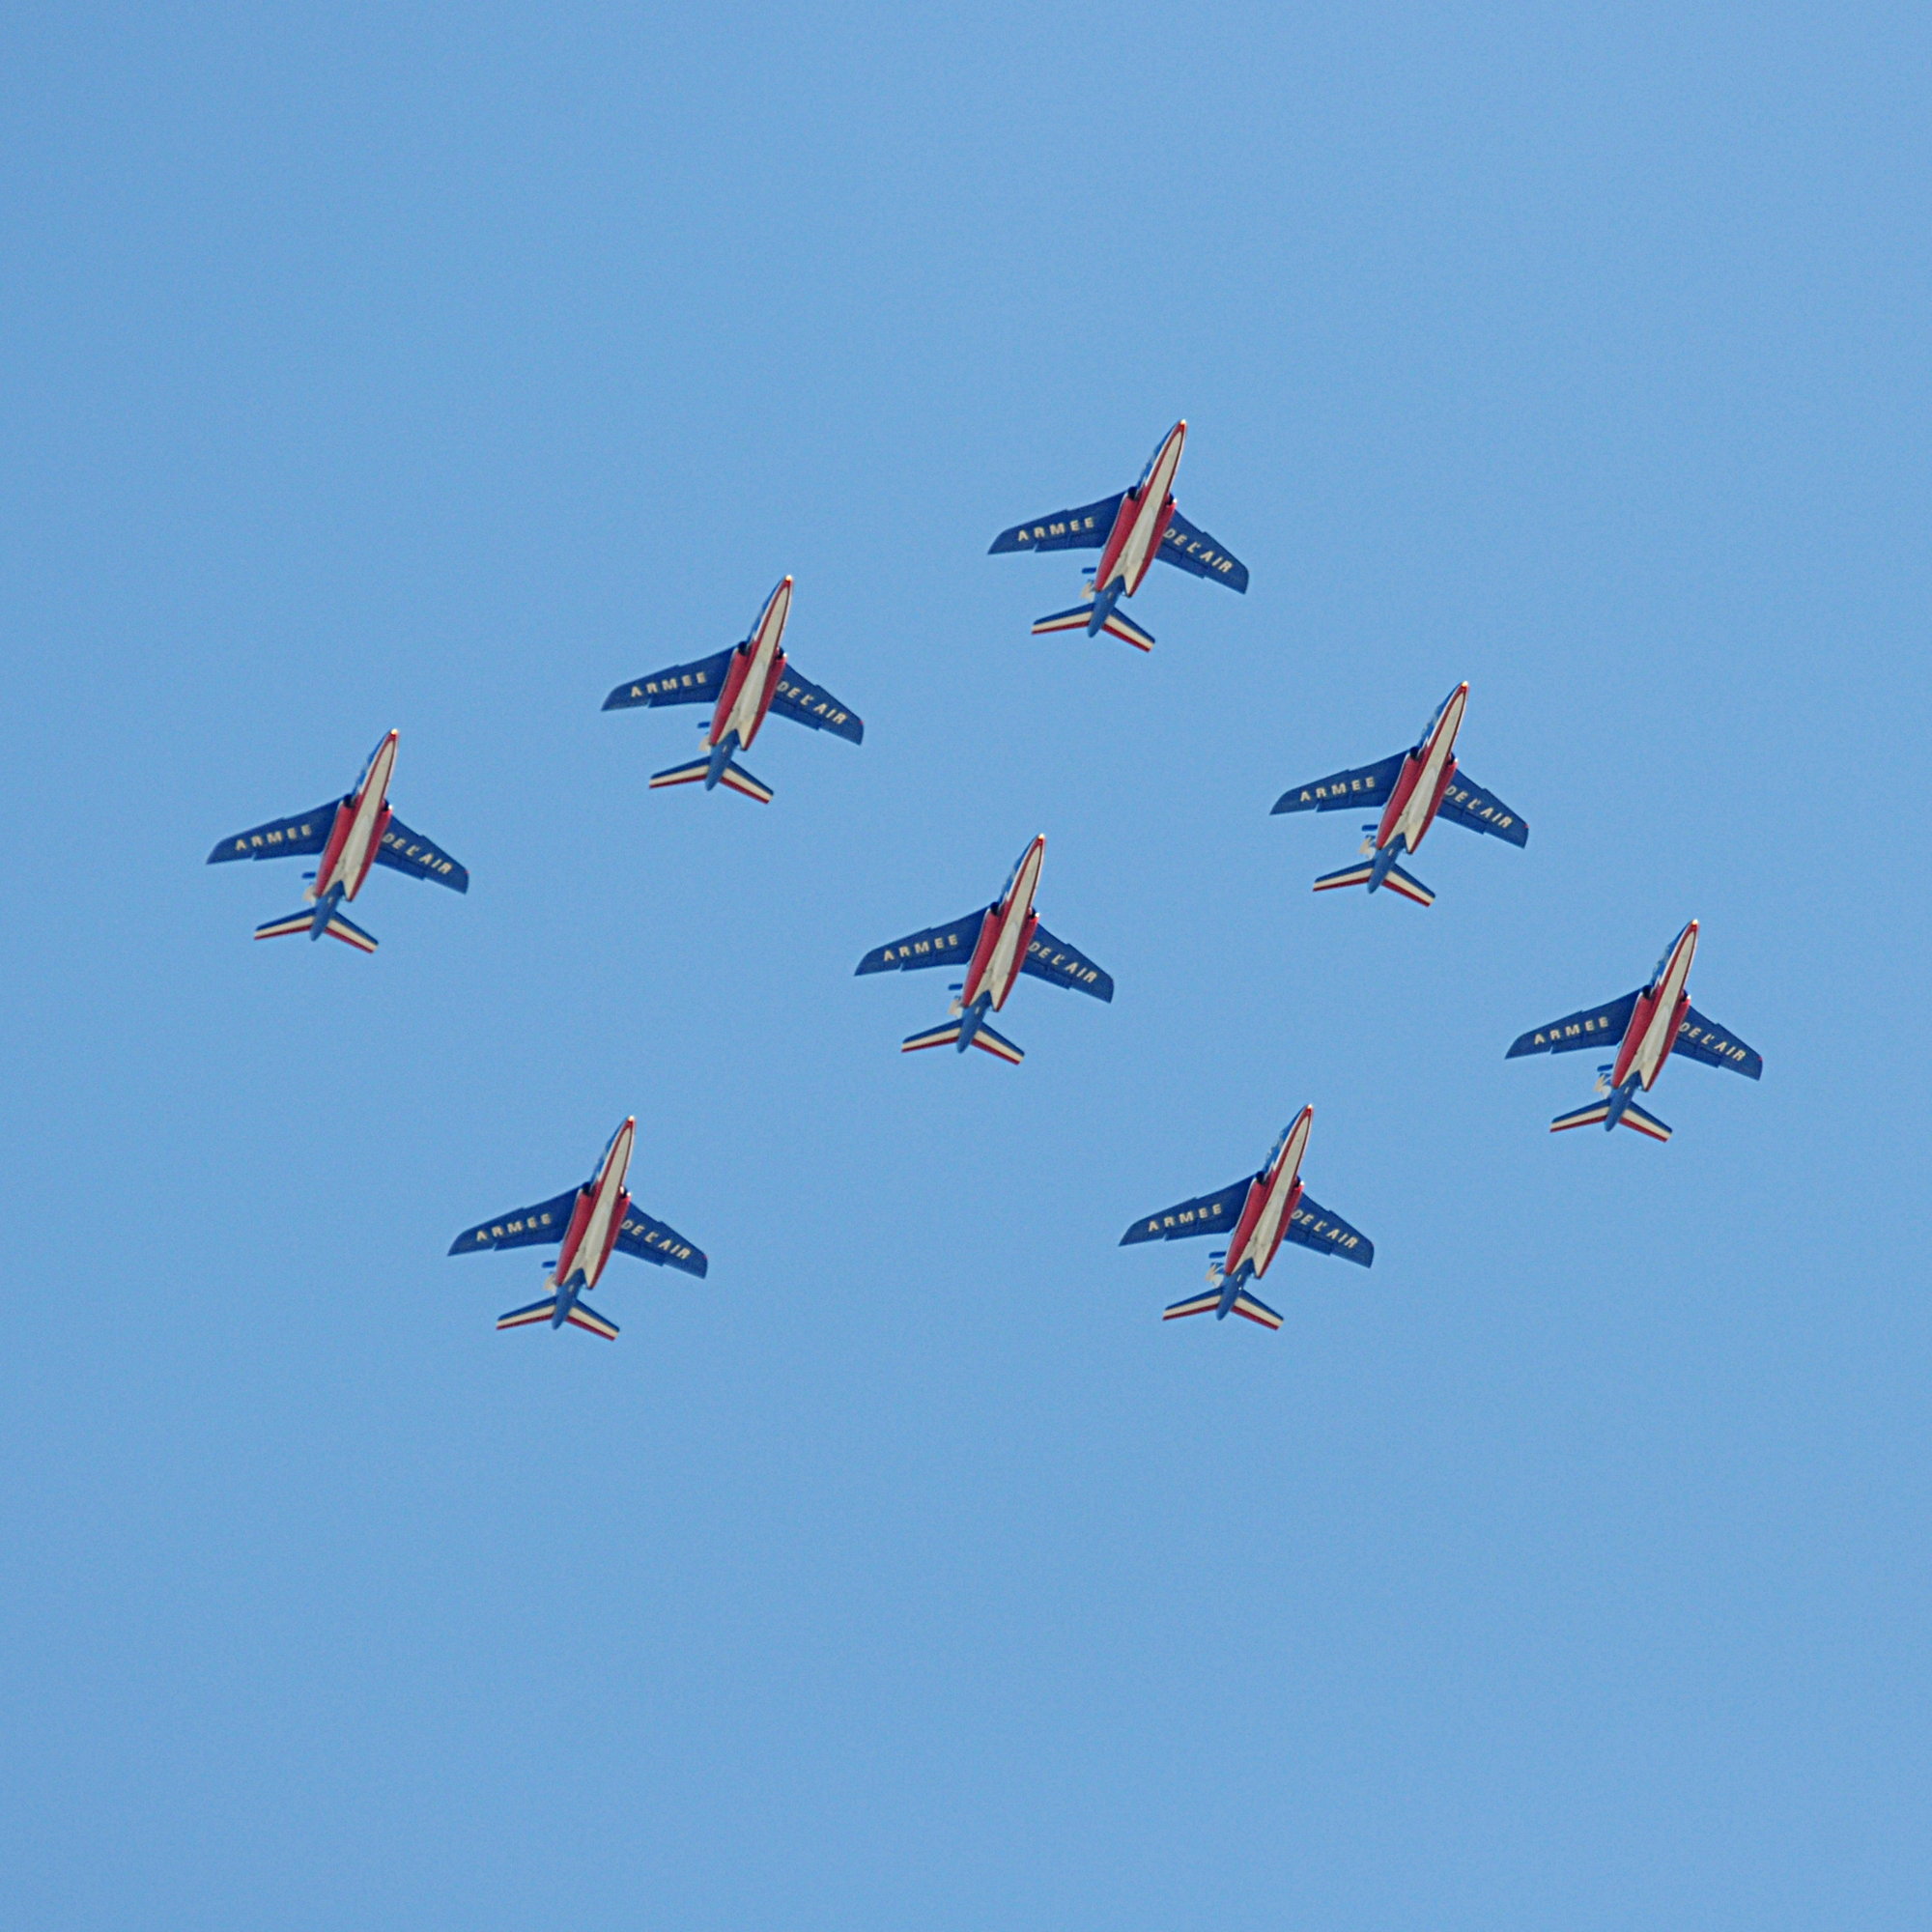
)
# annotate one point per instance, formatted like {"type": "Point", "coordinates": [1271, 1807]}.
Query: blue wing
{"type": "Point", "coordinates": [937, 946]}
{"type": "Point", "coordinates": [281, 837]}
{"type": "Point", "coordinates": [810, 704]}
{"type": "Point", "coordinates": [1189, 548]}
{"type": "Point", "coordinates": [1206, 1215]}
{"type": "Point", "coordinates": [1315, 1227]}
{"type": "Point", "coordinates": [1365, 785]}
{"type": "Point", "coordinates": [1593, 1026]}
{"type": "Point", "coordinates": [1083, 528]}
{"type": "Point", "coordinates": [1706, 1040]}
{"type": "Point", "coordinates": [1466, 804]}
{"type": "Point", "coordinates": [410, 852]}
{"type": "Point", "coordinates": [547, 1221]}
{"type": "Point", "coordinates": [697, 683]}
{"type": "Point", "coordinates": [1054, 960]}
{"type": "Point", "coordinates": [652, 1241]}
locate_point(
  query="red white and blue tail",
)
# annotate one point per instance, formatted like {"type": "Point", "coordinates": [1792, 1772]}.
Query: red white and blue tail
{"type": "Point", "coordinates": [1245, 1303]}
{"type": "Point", "coordinates": [1116, 623]}
{"type": "Point", "coordinates": [1195, 1304]}
{"type": "Point", "coordinates": [1394, 878]}
{"type": "Point", "coordinates": [699, 770]}
{"type": "Point", "coordinates": [1598, 1114]}
{"type": "Point", "coordinates": [302, 924]}
{"type": "Point", "coordinates": [984, 1037]}
{"type": "Point", "coordinates": [579, 1316]}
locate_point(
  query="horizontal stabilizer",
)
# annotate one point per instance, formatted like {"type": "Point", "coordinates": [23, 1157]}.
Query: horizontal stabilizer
{"type": "Point", "coordinates": [691, 774]}
{"type": "Point", "coordinates": [1408, 886]}
{"type": "Point", "coordinates": [302, 924]}
{"type": "Point", "coordinates": [1348, 875]}
{"type": "Point", "coordinates": [1645, 1123]}
{"type": "Point", "coordinates": [1075, 619]}
{"type": "Point", "coordinates": [524, 1317]}
{"type": "Point", "coordinates": [1598, 1112]}
{"type": "Point", "coordinates": [1256, 1310]}
{"type": "Point", "coordinates": [582, 1316]}
{"type": "Point", "coordinates": [997, 1044]}
{"type": "Point", "coordinates": [1195, 1304]}
{"type": "Point", "coordinates": [1120, 625]}
{"type": "Point", "coordinates": [742, 781]}
{"type": "Point", "coordinates": [939, 1036]}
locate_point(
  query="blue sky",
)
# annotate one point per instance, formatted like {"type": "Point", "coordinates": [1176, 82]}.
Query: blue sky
{"type": "Point", "coordinates": [438, 368]}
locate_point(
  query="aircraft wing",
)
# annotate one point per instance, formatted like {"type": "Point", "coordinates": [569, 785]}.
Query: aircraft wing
{"type": "Point", "coordinates": [1053, 960]}
{"type": "Point", "coordinates": [1315, 1227]}
{"type": "Point", "coordinates": [937, 946]}
{"type": "Point", "coordinates": [1706, 1040]}
{"type": "Point", "coordinates": [1189, 548]}
{"type": "Point", "coordinates": [809, 704]}
{"type": "Point", "coordinates": [1365, 785]}
{"type": "Point", "coordinates": [1593, 1026]}
{"type": "Point", "coordinates": [1085, 528]}
{"type": "Point", "coordinates": [695, 683]}
{"type": "Point", "coordinates": [1206, 1215]}
{"type": "Point", "coordinates": [281, 837]}
{"type": "Point", "coordinates": [652, 1241]}
{"type": "Point", "coordinates": [547, 1221]}
{"type": "Point", "coordinates": [410, 852]}
{"type": "Point", "coordinates": [1466, 804]}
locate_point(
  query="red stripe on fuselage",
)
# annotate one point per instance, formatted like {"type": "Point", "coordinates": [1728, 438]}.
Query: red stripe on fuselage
{"type": "Point", "coordinates": [566, 1254]}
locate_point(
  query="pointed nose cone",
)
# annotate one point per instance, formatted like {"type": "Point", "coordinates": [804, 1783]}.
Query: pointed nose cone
{"type": "Point", "coordinates": [617, 1159]}
{"type": "Point", "coordinates": [777, 608]}
{"type": "Point", "coordinates": [382, 762]}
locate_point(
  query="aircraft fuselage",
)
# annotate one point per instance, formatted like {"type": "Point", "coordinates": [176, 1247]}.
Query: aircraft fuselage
{"type": "Point", "coordinates": [752, 679]}
{"type": "Point", "coordinates": [1140, 521]}
{"type": "Point", "coordinates": [356, 835]}
{"type": "Point", "coordinates": [1657, 1016]}
{"type": "Point", "coordinates": [1004, 935]}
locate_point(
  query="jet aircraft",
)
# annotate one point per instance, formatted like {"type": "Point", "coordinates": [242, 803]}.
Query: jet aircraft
{"type": "Point", "coordinates": [351, 834]}
{"type": "Point", "coordinates": [996, 945]}
{"type": "Point", "coordinates": [1413, 787]}
{"type": "Point", "coordinates": [584, 1224]}
{"type": "Point", "coordinates": [1129, 531]}
{"type": "Point", "coordinates": [743, 685]}
{"type": "Point", "coordinates": [1649, 1025]}
{"type": "Point", "coordinates": [1261, 1210]}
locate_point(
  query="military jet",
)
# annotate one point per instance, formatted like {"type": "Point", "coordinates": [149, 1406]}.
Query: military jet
{"type": "Point", "coordinates": [351, 834]}
{"type": "Point", "coordinates": [584, 1225]}
{"type": "Point", "coordinates": [743, 686]}
{"type": "Point", "coordinates": [1261, 1210]}
{"type": "Point", "coordinates": [996, 945]}
{"type": "Point", "coordinates": [1649, 1026]}
{"type": "Point", "coordinates": [1414, 788]}
{"type": "Point", "coordinates": [1129, 531]}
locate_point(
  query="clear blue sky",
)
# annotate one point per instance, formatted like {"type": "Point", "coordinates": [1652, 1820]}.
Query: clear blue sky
{"type": "Point", "coordinates": [438, 367]}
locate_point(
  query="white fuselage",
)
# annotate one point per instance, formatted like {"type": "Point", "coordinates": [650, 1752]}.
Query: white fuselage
{"type": "Point", "coordinates": [1259, 1245]}
{"type": "Point", "coordinates": [1419, 808]}
{"type": "Point", "coordinates": [1137, 553]}
{"type": "Point", "coordinates": [1660, 1031]}
{"type": "Point", "coordinates": [350, 864]}
{"type": "Point", "coordinates": [748, 703]}
{"type": "Point", "coordinates": [1003, 962]}
{"type": "Point", "coordinates": [608, 1200]}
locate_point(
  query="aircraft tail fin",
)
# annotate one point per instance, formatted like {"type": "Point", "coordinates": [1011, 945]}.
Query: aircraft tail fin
{"type": "Point", "coordinates": [337, 925]}
{"type": "Point", "coordinates": [524, 1317]}
{"type": "Point", "coordinates": [997, 1044]}
{"type": "Point", "coordinates": [699, 772]}
{"type": "Point", "coordinates": [1195, 1304]}
{"type": "Point", "coordinates": [1598, 1114]}
{"type": "Point", "coordinates": [1256, 1310]}
{"type": "Point", "coordinates": [1408, 886]}
{"type": "Point", "coordinates": [1116, 623]}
